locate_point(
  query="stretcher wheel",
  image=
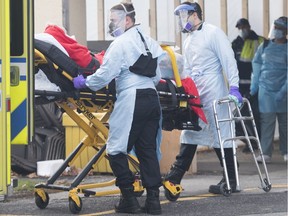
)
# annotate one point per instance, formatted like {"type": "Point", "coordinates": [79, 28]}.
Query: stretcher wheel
{"type": "Point", "coordinates": [171, 197]}
{"type": "Point", "coordinates": [267, 187]}
{"type": "Point", "coordinates": [41, 201]}
{"type": "Point", "coordinates": [73, 206]}
{"type": "Point", "coordinates": [224, 190]}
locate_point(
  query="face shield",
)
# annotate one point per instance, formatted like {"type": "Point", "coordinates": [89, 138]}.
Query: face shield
{"type": "Point", "coordinates": [117, 22]}
{"type": "Point", "coordinates": [279, 29]}
{"type": "Point", "coordinates": [183, 12]}
{"type": "Point", "coordinates": [184, 25]}
{"type": "Point", "coordinates": [276, 33]}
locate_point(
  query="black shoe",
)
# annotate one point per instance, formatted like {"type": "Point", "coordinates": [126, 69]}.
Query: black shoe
{"type": "Point", "coordinates": [152, 203]}
{"type": "Point", "coordinates": [175, 175]}
{"type": "Point", "coordinates": [128, 205]}
{"type": "Point", "coordinates": [215, 189]}
{"type": "Point", "coordinates": [128, 202]}
{"type": "Point", "coordinates": [254, 145]}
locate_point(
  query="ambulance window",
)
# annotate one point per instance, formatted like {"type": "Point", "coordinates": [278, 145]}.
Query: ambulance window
{"type": "Point", "coordinates": [17, 30]}
{"type": "Point", "coordinates": [14, 75]}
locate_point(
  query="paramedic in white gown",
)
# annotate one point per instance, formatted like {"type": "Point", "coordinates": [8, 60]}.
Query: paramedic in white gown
{"type": "Point", "coordinates": [134, 121]}
{"type": "Point", "coordinates": [209, 60]}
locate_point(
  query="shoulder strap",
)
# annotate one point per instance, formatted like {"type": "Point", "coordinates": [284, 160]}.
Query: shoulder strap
{"type": "Point", "coordinates": [143, 40]}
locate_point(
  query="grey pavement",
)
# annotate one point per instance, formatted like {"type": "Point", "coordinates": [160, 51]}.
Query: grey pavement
{"type": "Point", "coordinates": [194, 200]}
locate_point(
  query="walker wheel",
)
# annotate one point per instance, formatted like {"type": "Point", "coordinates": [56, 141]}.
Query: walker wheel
{"type": "Point", "coordinates": [40, 203]}
{"type": "Point", "coordinates": [171, 197]}
{"type": "Point", "coordinates": [224, 190]}
{"type": "Point", "coordinates": [74, 208]}
{"type": "Point", "coordinates": [267, 187]}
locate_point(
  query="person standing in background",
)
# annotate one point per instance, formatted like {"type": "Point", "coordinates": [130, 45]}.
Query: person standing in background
{"type": "Point", "coordinates": [269, 80]}
{"type": "Point", "coordinates": [245, 47]}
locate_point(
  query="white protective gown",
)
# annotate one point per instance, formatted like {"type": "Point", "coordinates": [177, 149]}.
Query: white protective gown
{"type": "Point", "coordinates": [121, 54]}
{"type": "Point", "coordinates": [208, 55]}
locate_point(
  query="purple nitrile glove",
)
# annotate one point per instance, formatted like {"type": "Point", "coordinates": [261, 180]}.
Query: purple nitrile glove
{"type": "Point", "coordinates": [79, 82]}
{"type": "Point", "coordinates": [235, 95]}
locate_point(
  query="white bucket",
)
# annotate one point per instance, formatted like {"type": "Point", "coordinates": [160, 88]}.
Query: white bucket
{"type": "Point", "coordinates": [49, 167]}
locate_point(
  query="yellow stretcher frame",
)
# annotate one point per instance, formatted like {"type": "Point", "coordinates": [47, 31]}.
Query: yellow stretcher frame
{"type": "Point", "coordinates": [174, 65]}
{"type": "Point", "coordinates": [97, 134]}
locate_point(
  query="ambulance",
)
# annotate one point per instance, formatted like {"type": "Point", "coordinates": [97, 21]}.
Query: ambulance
{"type": "Point", "coordinates": [16, 84]}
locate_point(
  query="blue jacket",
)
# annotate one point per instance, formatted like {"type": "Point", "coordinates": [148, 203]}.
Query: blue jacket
{"type": "Point", "coordinates": [269, 77]}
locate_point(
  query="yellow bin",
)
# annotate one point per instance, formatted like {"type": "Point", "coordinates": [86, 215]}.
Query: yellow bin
{"type": "Point", "coordinates": [73, 136]}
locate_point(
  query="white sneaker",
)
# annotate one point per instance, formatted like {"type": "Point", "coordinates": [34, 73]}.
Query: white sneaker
{"type": "Point", "coordinates": [285, 157]}
{"type": "Point", "coordinates": [266, 158]}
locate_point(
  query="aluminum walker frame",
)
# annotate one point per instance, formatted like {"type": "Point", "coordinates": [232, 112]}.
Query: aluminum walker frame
{"type": "Point", "coordinates": [236, 116]}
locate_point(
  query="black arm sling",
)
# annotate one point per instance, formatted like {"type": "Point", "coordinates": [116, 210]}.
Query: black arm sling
{"type": "Point", "coordinates": [145, 65]}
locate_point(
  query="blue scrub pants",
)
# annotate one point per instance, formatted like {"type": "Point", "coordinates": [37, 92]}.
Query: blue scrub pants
{"type": "Point", "coordinates": [268, 123]}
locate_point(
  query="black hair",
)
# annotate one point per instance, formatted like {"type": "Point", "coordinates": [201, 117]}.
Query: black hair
{"type": "Point", "coordinates": [128, 8]}
{"type": "Point", "coordinates": [197, 7]}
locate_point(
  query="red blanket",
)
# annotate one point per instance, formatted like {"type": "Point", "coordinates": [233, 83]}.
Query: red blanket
{"type": "Point", "coordinates": [190, 88]}
{"type": "Point", "coordinates": [79, 53]}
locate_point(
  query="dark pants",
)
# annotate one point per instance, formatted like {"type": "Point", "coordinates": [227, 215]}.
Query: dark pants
{"type": "Point", "coordinates": [248, 124]}
{"type": "Point", "coordinates": [229, 158]}
{"type": "Point", "coordinates": [186, 155]}
{"type": "Point", "coordinates": [142, 136]}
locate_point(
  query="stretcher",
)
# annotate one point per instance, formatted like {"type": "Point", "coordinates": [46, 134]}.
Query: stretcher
{"type": "Point", "coordinates": [236, 116]}
{"type": "Point", "coordinates": [97, 107]}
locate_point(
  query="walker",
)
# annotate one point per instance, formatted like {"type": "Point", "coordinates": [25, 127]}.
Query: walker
{"type": "Point", "coordinates": [236, 116]}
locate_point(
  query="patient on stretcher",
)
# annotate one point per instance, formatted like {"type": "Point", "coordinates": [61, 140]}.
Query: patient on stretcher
{"type": "Point", "coordinates": [86, 61]}
{"type": "Point", "coordinates": [63, 53]}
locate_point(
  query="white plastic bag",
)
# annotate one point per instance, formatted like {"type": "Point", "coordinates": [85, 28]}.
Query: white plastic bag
{"type": "Point", "coordinates": [166, 66]}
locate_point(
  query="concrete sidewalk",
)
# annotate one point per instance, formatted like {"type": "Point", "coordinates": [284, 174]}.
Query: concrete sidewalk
{"type": "Point", "coordinates": [194, 200]}
{"type": "Point", "coordinates": [209, 171]}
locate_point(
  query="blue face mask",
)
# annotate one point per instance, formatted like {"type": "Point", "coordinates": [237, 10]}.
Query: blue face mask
{"type": "Point", "coordinates": [187, 27]}
{"type": "Point", "coordinates": [115, 31]}
{"type": "Point", "coordinates": [278, 34]}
